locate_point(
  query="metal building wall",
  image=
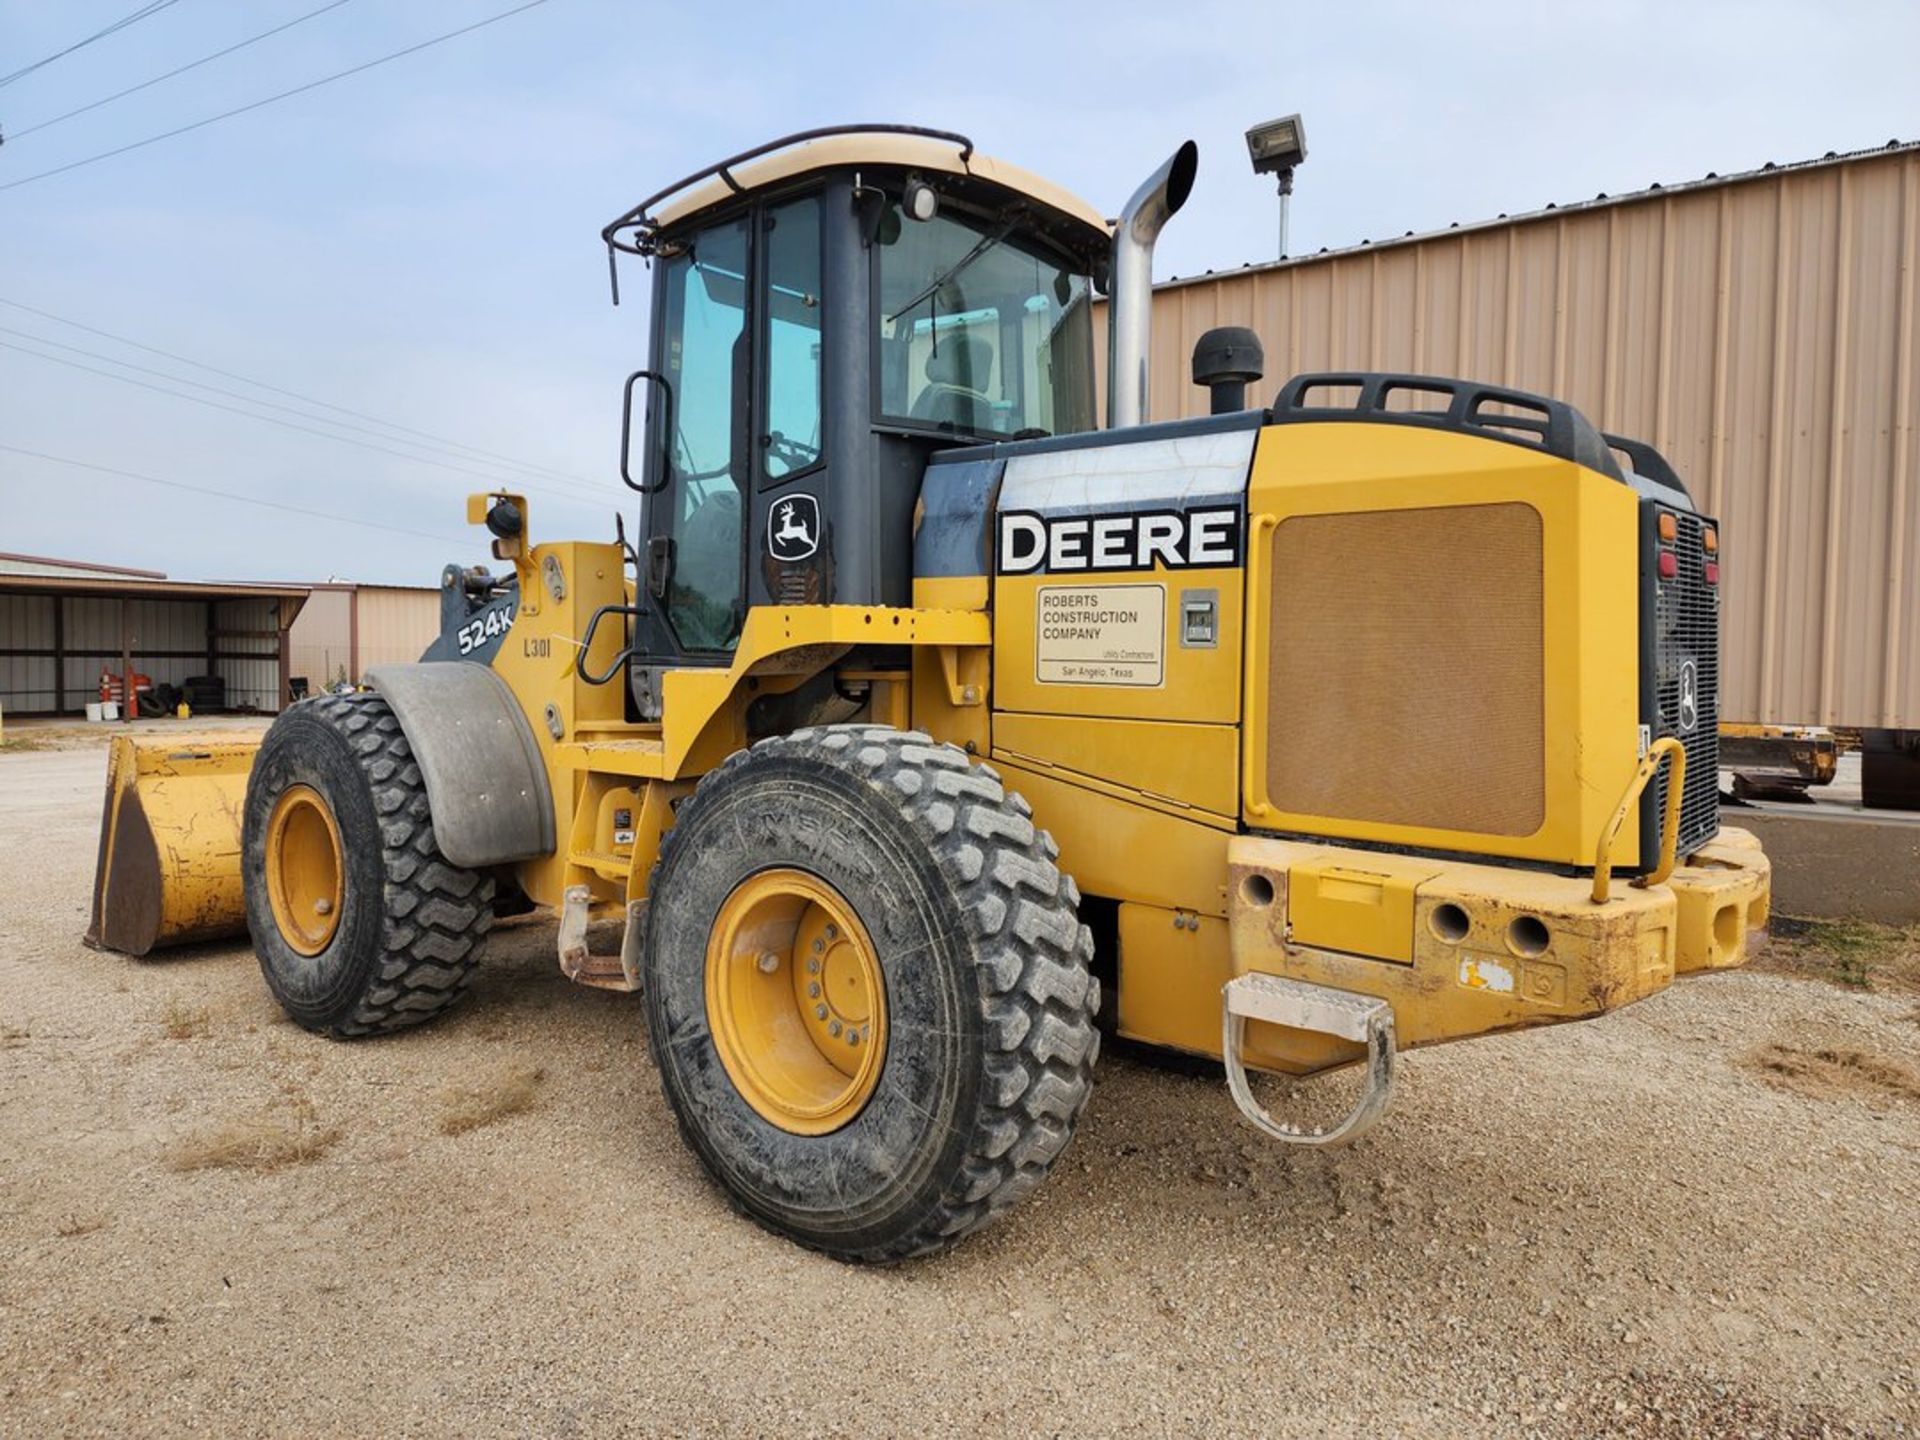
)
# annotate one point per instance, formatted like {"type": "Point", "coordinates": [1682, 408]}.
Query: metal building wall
{"type": "Point", "coordinates": [26, 681]}
{"type": "Point", "coordinates": [55, 641]}
{"type": "Point", "coordinates": [248, 632]}
{"type": "Point", "coordinates": [396, 623]}
{"type": "Point", "coordinates": [1759, 330]}
{"type": "Point", "coordinates": [93, 641]}
{"type": "Point", "coordinates": [320, 644]}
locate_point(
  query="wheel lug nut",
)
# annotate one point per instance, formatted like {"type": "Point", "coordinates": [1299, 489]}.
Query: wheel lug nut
{"type": "Point", "coordinates": [833, 932]}
{"type": "Point", "coordinates": [813, 967]}
{"type": "Point", "coordinates": [323, 906]}
{"type": "Point", "coordinates": [813, 990]}
{"type": "Point", "coordinates": [819, 1012]}
{"type": "Point", "coordinates": [853, 1037]}
{"type": "Point", "coordinates": [819, 945]}
{"type": "Point", "coordinates": [769, 962]}
{"type": "Point", "coordinates": [833, 1027]}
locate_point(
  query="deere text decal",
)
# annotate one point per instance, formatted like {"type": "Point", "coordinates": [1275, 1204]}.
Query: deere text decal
{"type": "Point", "coordinates": [1100, 634]}
{"type": "Point", "coordinates": [1134, 540]}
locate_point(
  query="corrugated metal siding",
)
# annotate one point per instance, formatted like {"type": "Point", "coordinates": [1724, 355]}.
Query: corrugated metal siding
{"type": "Point", "coordinates": [1760, 333]}
{"type": "Point", "coordinates": [168, 638]}
{"type": "Point", "coordinates": [26, 681]}
{"type": "Point", "coordinates": [252, 683]}
{"type": "Point", "coordinates": [320, 644]}
{"type": "Point", "coordinates": [396, 624]}
{"type": "Point", "coordinates": [93, 641]}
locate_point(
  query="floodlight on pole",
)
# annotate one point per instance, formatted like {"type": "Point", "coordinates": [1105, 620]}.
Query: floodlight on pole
{"type": "Point", "coordinates": [1275, 148]}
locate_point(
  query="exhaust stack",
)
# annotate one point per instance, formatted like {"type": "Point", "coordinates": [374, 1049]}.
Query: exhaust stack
{"type": "Point", "coordinates": [1130, 307]}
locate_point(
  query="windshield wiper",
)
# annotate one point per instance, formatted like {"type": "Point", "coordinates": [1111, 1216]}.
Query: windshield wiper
{"type": "Point", "coordinates": [986, 243]}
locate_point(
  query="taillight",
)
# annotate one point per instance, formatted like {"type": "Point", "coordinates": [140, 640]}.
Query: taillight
{"type": "Point", "coordinates": [1669, 527]}
{"type": "Point", "coordinates": [1669, 565]}
{"type": "Point", "coordinates": [1712, 571]}
{"type": "Point", "coordinates": [1709, 539]}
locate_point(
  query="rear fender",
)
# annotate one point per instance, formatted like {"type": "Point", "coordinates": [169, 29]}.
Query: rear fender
{"type": "Point", "coordinates": [486, 782]}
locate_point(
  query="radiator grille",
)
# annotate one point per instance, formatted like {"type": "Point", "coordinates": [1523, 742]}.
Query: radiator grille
{"type": "Point", "coordinates": [1687, 634]}
{"type": "Point", "coordinates": [1406, 679]}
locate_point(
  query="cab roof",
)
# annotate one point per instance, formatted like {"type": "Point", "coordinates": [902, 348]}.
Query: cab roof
{"type": "Point", "coordinates": [894, 146]}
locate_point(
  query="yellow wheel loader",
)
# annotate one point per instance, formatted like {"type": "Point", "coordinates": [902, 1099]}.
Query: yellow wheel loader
{"type": "Point", "coordinates": [927, 730]}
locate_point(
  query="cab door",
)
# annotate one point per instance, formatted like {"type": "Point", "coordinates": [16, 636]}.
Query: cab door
{"type": "Point", "coordinates": [736, 469]}
{"type": "Point", "coordinates": [695, 566]}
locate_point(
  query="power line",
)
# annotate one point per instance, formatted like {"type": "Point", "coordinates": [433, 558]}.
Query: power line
{"type": "Point", "coordinates": [194, 65]}
{"type": "Point", "coordinates": [271, 99]}
{"type": "Point", "coordinates": [230, 495]}
{"type": "Point", "coordinates": [522, 465]}
{"type": "Point", "coordinates": [152, 8]}
{"type": "Point", "coordinates": [597, 491]}
{"type": "Point", "coordinates": [493, 480]}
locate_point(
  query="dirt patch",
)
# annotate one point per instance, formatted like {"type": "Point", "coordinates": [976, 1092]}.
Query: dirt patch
{"type": "Point", "coordinates": [17, 744]}
{"type": "Point", "coordinates": [1587, 1230]}
{"type": "Point", "coordinates": [74, 1226]}
{"type": "Point", "coordinates": [1836, 1073]}
{"type": "Point", "coordinates": [31, 736]}
{"type": "Point", "coordinates": [1661, 1406]}
{"type": "Point", "coordinates": [474, 1103]}
{"type": "Point", "coordinates": [271, 1139]}
{"type": "Point", "coordinates": [1854, 954]}
{"type": "Point", "coordinates": [181, 1021]}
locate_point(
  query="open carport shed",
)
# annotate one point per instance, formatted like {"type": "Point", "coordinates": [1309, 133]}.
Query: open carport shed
{"type": "Point", "coordinates": [64, 623]}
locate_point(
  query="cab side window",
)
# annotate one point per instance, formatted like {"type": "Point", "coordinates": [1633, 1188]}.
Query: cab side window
{"type": "Point", "coordinates": [791, 442]}
{"type": "Point", "coordinates": [707, 359]}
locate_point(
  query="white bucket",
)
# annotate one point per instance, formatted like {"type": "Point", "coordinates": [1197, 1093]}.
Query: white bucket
{"type": "Point", "coordinates": [109, 709]}
{"type": "Point", "coordinates": [93, 710]}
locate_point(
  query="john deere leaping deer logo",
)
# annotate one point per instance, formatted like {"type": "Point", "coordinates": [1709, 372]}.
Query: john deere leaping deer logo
{"type": "Point", "coordinates": [1689, 696]}
{"type": "Point", "coordinates": [793, 530]}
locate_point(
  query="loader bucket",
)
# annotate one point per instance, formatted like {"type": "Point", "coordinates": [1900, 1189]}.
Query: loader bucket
{"type": "Point", "coordinates": [169, 866]}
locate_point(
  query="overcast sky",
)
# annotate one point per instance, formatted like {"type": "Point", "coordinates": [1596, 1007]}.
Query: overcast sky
{"type": "Point", "coordinates": [420, 243]}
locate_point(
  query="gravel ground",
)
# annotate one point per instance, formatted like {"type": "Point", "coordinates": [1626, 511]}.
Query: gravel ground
{"type": "Point", "coordinates": [1696, 1217]}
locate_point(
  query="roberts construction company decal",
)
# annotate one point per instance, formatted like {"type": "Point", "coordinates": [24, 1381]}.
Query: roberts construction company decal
{"type": "Point", "coordinates": [1100, 634]}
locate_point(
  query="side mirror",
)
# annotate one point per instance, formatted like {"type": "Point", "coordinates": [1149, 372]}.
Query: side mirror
{"type": "Point", "coordinates": [626, 430]}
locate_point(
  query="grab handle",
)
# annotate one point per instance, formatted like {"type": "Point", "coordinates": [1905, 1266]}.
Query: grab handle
{"type": "Point", "coordinates": [1670, 829]}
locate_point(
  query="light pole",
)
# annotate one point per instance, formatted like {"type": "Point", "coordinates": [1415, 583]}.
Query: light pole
{"type": "Point", "coordinates": [1275, 148]}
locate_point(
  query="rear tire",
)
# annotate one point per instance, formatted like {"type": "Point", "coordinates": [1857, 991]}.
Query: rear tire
{"type": "Point", "coordinates": [977, 966]}
{"type": "Point", "coordinates": [400, 930]}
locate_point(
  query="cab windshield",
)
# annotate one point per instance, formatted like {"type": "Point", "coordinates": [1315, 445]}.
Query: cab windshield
{"type": "Point", "coordinates": [981, 332]}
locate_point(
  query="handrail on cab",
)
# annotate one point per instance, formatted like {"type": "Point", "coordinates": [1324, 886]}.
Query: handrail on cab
{"type": "Point", "coordinates": [1669, 831]}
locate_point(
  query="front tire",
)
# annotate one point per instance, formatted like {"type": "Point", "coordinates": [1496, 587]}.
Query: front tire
{"type": "Point", "coordinates": [360, 924]}
{"type": "Point", "coordinates": [868, 990]}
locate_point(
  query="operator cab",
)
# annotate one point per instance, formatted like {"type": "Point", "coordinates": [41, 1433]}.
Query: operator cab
{"type": "Point", "coordinates": [828, 311]}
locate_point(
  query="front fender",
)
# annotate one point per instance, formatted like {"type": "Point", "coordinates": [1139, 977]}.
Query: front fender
{"type": "Point", "coordinates": [486, 783]}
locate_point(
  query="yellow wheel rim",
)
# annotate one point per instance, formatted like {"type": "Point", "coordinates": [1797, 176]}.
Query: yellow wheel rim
{"type": "Point", "coordinates": [305, 869]}
{"type": "Point", "coordinates": [796, 1002]}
